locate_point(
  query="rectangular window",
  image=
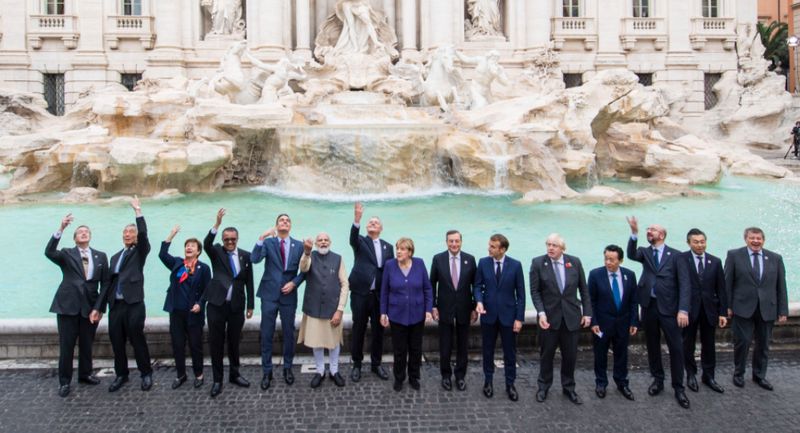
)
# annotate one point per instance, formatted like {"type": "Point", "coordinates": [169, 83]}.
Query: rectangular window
{"type": "Point", "coordinates": [132, 7]}
{"type": "Point", "coordinates": [572, 8]}
{"type": "Point", "coordinates": [710, 80]}
{"type": "Point", "coordinates": [645, 79]}
{"type": "Point", "coordinates": [54, 7]}
{"type": "Point", "coordinates": [710, 8]}
{"type": "Point", "coordinates": [130, 80]}
{"type": "Point", "coordinates": [641, 8]}
{"type": "Point", "coordinates": [54, 93]}
{"type": "Point", "coordinates": [573, 80]}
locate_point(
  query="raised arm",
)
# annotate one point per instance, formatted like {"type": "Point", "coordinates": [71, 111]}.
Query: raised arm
{"type": "Point", "coordinates": [358, 211]}
{"type": "Point", "coordinates": [163, 254]}
{"type": "Point", "coordinates": [51, 250]}
{"type": "Point", "coordinates": [142, 241]}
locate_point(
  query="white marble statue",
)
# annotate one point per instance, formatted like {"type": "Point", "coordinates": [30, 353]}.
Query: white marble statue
{"type": "Point", "coordinates": [229, 79]}
{"type": "Point", "coordinates": [487, 70]}
{"type": "Point", "coordinates": [442, 79]}
{"type": "Point", "coordinates": [484, 19]}
{"type": "Point", "coordinates": [276, 83]}
{"type": "Point", "coordinates": [226, 17]}
{"type": "Point", "coordinates": [355, 28]}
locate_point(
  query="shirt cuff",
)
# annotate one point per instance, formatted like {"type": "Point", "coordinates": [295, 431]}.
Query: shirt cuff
{"type": "Point", "coordinates": [213, 231]}
{"type": "Point", "coordinates": [635, 237]}
{"type": "Point", "coordinates": [684, 312]}
{"type": "Point", "coordinates": [57, 234]}
{"type": "Point", "coordinates": [542, 313]}
{"type": "Point", "coordinates": [358, 226]}
{"type": "Point", "coordinates": [260, 242]}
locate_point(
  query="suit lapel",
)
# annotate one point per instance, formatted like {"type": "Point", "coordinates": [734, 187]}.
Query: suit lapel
{"type": "Point", "coordinates": [75, 254]}
{"type": "Point", "coordinates": [463, 269]}
{"type": "Point", "coordinates": [371, 249]}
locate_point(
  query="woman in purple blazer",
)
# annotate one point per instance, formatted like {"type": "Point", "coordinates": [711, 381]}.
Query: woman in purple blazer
{"type": "Point", "coordinates": [406, 303]}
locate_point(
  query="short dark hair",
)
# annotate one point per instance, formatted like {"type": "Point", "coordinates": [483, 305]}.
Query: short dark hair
{"type": "Point", "coordinates": [281, 215]}
{"type": "Point", "coordinates": [615, 249]}
{"type": "Point", "coordinates": [196, 242]}
{"type": "Point", "coordinates": [497, 237]}
{"type": "Point", "coordinates": [82, 226]}
{"type": "Point", "coordinates": [695, 232]}
{"type": "Point", "coordinates": [453, 232]}
{"type": "Point", "coordinates": [231, 229]}
{"type": "Point", "coordinates": [754, 230]}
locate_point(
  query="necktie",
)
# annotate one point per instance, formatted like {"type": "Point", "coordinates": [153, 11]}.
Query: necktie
{"type": "Point", "coordinates": [119, 263]}
{"type": "Point", "coordinates": [85, 261]}
{"type": "Point", "coordinates": [700, 267]}
{"type": "Point", "coordinates": [283, 254]}
{"type": "Point", "coordinates": [454, 272]}
{"type": "Point", "coordinates": [559, 280]}
{"type": "Point", "coordinates": [756, 267]}
{"type": "Point", "coordinates": [655, 258]}
{"type": "Point", "coordinates": [497, 272]}
{"type": "Point", "coordinates": [615, 290]}
{"type": "Point", "coordinates": [232, 258]}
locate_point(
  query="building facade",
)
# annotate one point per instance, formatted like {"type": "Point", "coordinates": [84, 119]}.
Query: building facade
{"type": "Point", "coordinates": [59, 48]}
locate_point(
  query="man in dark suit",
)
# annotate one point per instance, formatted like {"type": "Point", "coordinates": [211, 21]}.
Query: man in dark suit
{"type": "Point", "coordinates": [755, 285]}
{"type": "Point", "coordinates": [664, 294]}
{"type": "Point", "coordinates": [615, 319]}
{"type": "Point", "coordinates": [556, 280]}
{"type": "Point", "coordinates": [370, 253]}
{"type": "Point", "coordinates": [277, 290]}
{"type": "Point", "coordinates": [83, 270]}
{"type": "Point", "coordinates": [708, 309]}
{"type": "Point", "coordinates": [125, 297]}
{"type": "Point", "coordinates": [452, 275]}
{"type": "Point", "coordinates": [499, 292]}
{"type": "Point", "coordinates": [230, 289]}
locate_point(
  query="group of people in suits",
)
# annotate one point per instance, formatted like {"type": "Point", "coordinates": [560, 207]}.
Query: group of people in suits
{"type": "Point", "coordinates": [680, 294]}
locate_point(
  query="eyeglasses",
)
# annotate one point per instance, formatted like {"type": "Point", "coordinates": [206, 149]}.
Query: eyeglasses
{"type": "Point", "coordinates": [230, 239]}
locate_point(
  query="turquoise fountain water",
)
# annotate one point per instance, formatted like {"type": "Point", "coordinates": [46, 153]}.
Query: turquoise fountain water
{"type": "Point", "coordinates": [28, 279]}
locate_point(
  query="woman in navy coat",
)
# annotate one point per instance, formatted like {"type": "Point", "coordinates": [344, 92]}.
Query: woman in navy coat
{"type": "Point", "coordinates": [406, 303]}
{"type": "Point", "coordinates": [187, 280]}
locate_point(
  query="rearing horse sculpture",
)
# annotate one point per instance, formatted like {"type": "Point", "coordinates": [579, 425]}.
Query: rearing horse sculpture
{"type": "Point", "coordinates": [442, 80]}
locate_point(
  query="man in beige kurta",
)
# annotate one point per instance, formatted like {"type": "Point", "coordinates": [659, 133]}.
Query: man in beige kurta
{"type": "Point", "coordinates": [323, 306]}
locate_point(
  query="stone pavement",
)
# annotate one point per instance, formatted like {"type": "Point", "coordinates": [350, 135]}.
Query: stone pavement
{"type": "Point", "coordinates": [29, 403]}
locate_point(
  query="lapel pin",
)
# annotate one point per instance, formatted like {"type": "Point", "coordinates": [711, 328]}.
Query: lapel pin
{"type": "Point", "coordinates": [465, 262]}
{"type": "Point", "coordinates": [625, 277]}
{"type": "Point", "coordinates": [669, 253]}
{"type": "Point", "coordinates": [765, 257]}
{"type": "Point", "coordinates": [568, 265]}
{"type": "Point", "coordinates": [546, 263]}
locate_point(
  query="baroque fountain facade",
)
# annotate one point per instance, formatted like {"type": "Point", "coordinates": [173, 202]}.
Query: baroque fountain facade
{"type": "Point", "coordinates": [361, 97]}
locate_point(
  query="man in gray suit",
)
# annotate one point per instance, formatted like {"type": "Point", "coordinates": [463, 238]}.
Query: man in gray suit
{"type": "Point", "coordinates": [556, 281]}
{"type": "Point", "coordinates": [755, 282]}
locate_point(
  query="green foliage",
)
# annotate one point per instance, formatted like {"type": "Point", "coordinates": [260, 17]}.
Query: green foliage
{"type": "Point", "coordinates": [773, 37]}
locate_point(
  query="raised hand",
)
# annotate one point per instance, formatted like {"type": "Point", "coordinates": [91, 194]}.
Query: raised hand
{"type": "Point", "coordinates": [136, 205]}
{"type": "Point", "coordinates": [66, 221]}
{"type": "Point", "coordinates": [358, 211]}
{"type": "Point", "coordinates": [268, 234]}
{"type": "Point", "coordinates": [173, 232]}
{"type": "Point", "coordinates": [308, 244]}
{"type": "Point", "coordinates": [220, 214]}
{"type": "Point", "coordinates": [633, 223]}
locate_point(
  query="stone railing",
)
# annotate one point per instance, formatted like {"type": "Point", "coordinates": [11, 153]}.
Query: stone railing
{"type": "Point", "coordinates": [636, 29]}
{"type": "Point", "coordinates": [574, 28]}
{"type": "Point", "coordinates": [64, 27]}
{"type": "Point", "coordinates": [707, 29]}
{"type": "Point", "coordinates": [130, 27]}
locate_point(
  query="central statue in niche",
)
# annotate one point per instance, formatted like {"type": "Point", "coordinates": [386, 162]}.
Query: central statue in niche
{"type": "Point", "coordinates": [358, 42]}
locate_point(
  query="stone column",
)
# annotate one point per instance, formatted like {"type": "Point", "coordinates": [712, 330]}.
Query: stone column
{"type": "Point", "coordinates": [408, 18]}
{"type": "Point", "coordinates": [538, 15]}
{"type": "Point", "coordinates": [271, 24]}
{"type": "Point", "coordinates": [89, 64]}
{"type": "Point", "coordinates": [166, 59]}
{"type": "Point", "coordinates": [303, 28]}
{"type": "Point", "coordinates": [681, 62]}
{"type": "Point", "coordinates": [608, 22]}
{"type": "Point", "coordinates": [439, 23]}
{"type": "Point", "coordinates": [14, 60]}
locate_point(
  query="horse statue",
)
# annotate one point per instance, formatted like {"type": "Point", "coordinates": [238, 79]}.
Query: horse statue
{"type": "Point", "coordinates": [442, 80]}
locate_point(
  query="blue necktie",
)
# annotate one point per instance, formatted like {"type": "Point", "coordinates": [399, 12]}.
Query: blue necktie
{"type": "Point", "coordinates": [655, 257]}
{"type": "Point", "coordinates": [231, 257]}
{"type": "Point", "coordinates": [615, 290]}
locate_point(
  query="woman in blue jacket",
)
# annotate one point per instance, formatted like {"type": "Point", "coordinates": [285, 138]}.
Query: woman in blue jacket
{"type": "Point", "coordinates": [187, 280]}
{"type": "Point", "coordinates": [406, 303]}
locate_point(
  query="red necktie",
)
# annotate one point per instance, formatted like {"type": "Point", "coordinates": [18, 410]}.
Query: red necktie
{"type": "Point", "coordinates": [283, 254]}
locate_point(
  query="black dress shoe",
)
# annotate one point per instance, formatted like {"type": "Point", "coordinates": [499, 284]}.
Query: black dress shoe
{"type": "Point", "coordinates": [655, 388]}
{"type": "Point", "coordinates": [198, 382]}
{"type": "Point", "coordinates": [626, 392]}
{"type": "Point", "coordinates": [738, 381]}
{"type": "Point", "coordinates": [216, 389]}
{"type": "Point", "coordinates": [337, 378]}
{"type": "Point", "coordinates": [691, 383]}
{"type": "Point", "coordinates": [178, 382]}
{"type": "Point", "coordinates": [711, 383]}
{"type": "Point", "coordinates": [266, 381]}
{"type": "Point", "coordinates": [461, 384]}
{"type": "Point", "coordinates": [541, 395]}
{"type": "Point", "coordinates": [355, 374]}
{"type": "Point", "coordinates": [147, 382]}
{"type": "Point", "coordinates": [398, 385]}
{"type": "Point", "coordinates": [763, 383]}
{"type": "Point", "coordinates": [316, 381]}
{"type": "Point", "coordinates": [240, 381]}
{"type": "Point", "coordinates": [117, 383]}
{"type": "Point", "coordinates": [381, 372]}
{"type": "Point", "coordinates": [63, 390]}
{"type": "Point", "coordinates": [600, 391]}
{"type": "Point", "coordinates": [288, 376]}
{"type": "Point", "coordinates": [89, 380]}
{"type": "Point", "coordinates": [488, 389]}
{"type": "Point", "coordinates": [414, 383]}
{"type": "Point", "coordinates": [572, 396]}
{"type": "Point", "coordinates": [680, 396]}
{"type": "Point", "coordinates": [447, 384]}
{"type": "Point", "coordinates": [512, 393]}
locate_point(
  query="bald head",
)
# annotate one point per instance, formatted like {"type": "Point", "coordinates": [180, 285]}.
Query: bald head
{"type": "Point", "coordinates": [656, 234]}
